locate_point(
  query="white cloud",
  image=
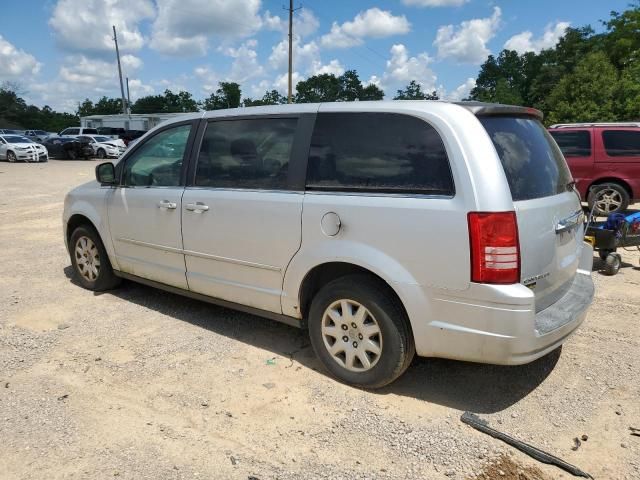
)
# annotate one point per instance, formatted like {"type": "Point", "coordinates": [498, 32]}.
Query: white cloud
{"type": "Point", "coordinates": [81, 77]}
{"type": "Point", "coordinates": [373, 23]}
{"type": "Point", "coordinates": [245, 63]}
{"type": "Point", "coordinates": [304, 55]}
{"type": "Point", "coordinates": [130, 62]}
{"type": "Point", "coordinates": [15, 63]}
{"type": "Point", "coordinates": [434, 3]}
{"type": "Point", "coordinates": [524, 41]}
{"type": "Point", "coordinates": [305, 23]}
{"type": "Point", "coordinates": [183, 26]}
{"type": "Point", "coordinates": [402, 68]}
{"type": "Point", "coordinates": [333, 67]}
{"type": "Point", "coordinates": [139, 89]}
{"type": "Point", "coordinates": [462, 91]}
{"type": "Point", "coordinates": [86, 25]}
{"type": "Point", "coordinates": [467, 43]}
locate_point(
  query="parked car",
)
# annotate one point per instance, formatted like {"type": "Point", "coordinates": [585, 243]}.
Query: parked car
{"type": "Point", "coordinates": [17, 147]}
{"type": "Point", "coordinates": [606, 156]}
{"type": "Point", "coordinates": [68, 148]}
{"type": "Point", "coordinates": [75, 131]}
{"type": "Point", "coordinates": [38, 136]}
{"type": "Point", "coordinates": [104, 147]}
{"type": "Point", "coordinates": [385, 228]}
{"type": "Point", "coordinates": [131, 135]}
{"type": "Point", "coordinates": [112, 132]}
{"type": "Point", "coordinates": [8, 131]}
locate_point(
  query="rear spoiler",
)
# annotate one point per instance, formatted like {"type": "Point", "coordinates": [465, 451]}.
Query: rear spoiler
{"type": "Point", "coordinates": [497, 109]}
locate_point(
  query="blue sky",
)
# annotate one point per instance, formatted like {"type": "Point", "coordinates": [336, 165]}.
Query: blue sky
{"type": "Point", "coordinates": [60, 51]}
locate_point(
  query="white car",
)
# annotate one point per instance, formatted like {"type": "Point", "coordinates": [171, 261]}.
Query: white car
{"type": "Point", "coordinates": [105, 147]}
{"type": "Point", "coordinates": [17, 147]}
{"type": "Point", "coordinates": [386, 229]}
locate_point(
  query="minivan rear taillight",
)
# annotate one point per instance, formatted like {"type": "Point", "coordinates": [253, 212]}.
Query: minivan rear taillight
{"type": "Point", "coordinates": [495, 250]}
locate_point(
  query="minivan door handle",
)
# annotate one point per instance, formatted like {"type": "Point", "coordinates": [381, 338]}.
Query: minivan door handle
{"type": "Point", "coordinates": [197, 207]}
{"type": "Point", "coordinates": [167, 204]}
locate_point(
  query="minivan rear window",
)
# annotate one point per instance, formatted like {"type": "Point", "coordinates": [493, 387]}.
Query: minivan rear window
{"type": "Point", "coordinates": [532, 162]}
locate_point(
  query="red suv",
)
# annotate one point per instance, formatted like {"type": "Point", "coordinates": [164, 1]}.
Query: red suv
{"type": "Point", "coordinates": [602, 155]}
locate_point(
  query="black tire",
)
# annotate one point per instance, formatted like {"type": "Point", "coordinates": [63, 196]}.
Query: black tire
{"type": "Point", "coordinates": [71, 153]}
{"type": "Point", "coordinates": [612, 190]}
{"type": "Point", "coordinates": [102, 154]}
{"type": "Point", "coordinates": [604, 254]}
{"type": "Point", "coordinates": [11, 157]}
{"type": "Point", "coordinates": [105, 278]}
{"type": "Point", "coordinates": [397, 346]}
{"type": "Point", "coordinates": [612, 264]}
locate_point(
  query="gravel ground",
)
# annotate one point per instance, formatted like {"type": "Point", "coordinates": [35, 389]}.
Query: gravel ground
{"type": "Point", "coordinates": [138, 384]}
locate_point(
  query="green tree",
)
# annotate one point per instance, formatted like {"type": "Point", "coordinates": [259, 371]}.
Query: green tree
{"type": "Point", "coordinates": [108, 106]}
{"type": "Point", "coordinates": [227, 95]}
{"type": "Point", "coordinates": [85, 108]}
{"type": "Point", "coordinates": [588, 94]}
{"type": "Point", "coordinates": [413, 91]}
{"type": "Point", "coordinates": [318, 88]}
{"type": "Point", "coordinates": [270, 97]}
{"type": "Point", "coordinates": [327, 87]}
{"type": "Point", "coordinates": [169, 102]}
{"type": "Point", "coordinates": [622, 40]}
{"type": "Point", "coordinates": [372, 92]}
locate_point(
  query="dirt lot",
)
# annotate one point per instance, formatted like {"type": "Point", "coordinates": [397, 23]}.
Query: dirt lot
{"type": "Point", "coordinates": [140, 384]}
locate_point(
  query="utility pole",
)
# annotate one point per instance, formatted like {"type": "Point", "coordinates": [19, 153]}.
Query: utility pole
{"type": "Point", "coordinates": [291, 10]}
{"type": "Point", "coordinates": [128, 98]}
{"type": "Point", "coordinates": [115, 39]}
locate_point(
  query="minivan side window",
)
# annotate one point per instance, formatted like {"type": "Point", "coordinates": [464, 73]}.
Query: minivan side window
{"type": "Point", "coordinates": [246, 153]}
{"type": "Point", "coordinates": [377, 152]}
{"type": "Point", "coordinates": [576, 143]}
{"type": "Point", "coordinates": [158, 161]}
{"type": "Point", "coordinates": [621, 143]}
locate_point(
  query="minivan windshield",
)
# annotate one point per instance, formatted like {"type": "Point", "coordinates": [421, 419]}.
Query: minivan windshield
{"type": "Point", "coordinates": [532, 162]}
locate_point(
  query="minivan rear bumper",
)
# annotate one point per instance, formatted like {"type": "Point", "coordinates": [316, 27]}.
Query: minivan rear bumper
{"type": "Point", "coordinates": [498, 324]}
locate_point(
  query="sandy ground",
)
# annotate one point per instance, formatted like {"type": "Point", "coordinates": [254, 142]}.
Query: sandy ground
{"type": "Point", "coordinates": [139, 384]}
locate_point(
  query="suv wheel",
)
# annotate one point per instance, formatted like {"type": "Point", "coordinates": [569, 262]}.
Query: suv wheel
{"type": "Point", "coordinates": [90, 261]}
{"type": "Point", "coordinates": [12, 157]}
{"type": "Point", "coordinates": [608, 198]}
{"type": "Point", "coordinates": [102, 154]}
{"type": "Point", "coordinates": [359, 332]}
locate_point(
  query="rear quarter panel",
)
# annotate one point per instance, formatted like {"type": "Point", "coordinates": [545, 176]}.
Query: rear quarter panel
{"type": "Point", "coordinates": [415, 243]}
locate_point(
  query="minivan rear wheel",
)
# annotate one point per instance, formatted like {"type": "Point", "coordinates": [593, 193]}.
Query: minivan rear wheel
{"type": "Point", "coordinates": [608, 198]}
{"type": "Point", "coordinates": [359, 332]}
{"type": "Point", "coordinates": [90, 262]}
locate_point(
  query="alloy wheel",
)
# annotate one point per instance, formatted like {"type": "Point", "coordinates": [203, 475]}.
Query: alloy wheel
{"type": "Point", "coordinates": [87, 258]}
{"type": "Point", "coordinates": [608, 200]}
{"type": "Point", "coordinates": [351, 335]}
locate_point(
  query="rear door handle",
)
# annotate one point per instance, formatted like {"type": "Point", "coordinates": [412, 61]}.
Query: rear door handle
{"type": "Point", "coordinates": [167, 204]}
{"type": "Point", "coordinates": [197, 207]}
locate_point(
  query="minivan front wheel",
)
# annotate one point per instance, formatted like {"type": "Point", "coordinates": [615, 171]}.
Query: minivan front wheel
{"type": "Point", "coordinates": [608, 198]}
{"type": "Point", "coordinates": [359, 332]}
{"type": "Point", "coordinates": [90, 261]}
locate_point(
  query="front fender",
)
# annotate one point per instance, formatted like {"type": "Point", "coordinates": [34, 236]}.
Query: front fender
{"type": "Point", "coordinates": [91, 204]}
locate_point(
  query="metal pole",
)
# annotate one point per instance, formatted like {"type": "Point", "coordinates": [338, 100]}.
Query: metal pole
{"type": "Point", "coordinates": [289, 98]}
{"type": "Point", "coordinates": [128, 98]}
{"type": "Point", "coordinates": [115, 39]}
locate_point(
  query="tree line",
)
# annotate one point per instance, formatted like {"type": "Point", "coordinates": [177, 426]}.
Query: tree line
{"type": "Point", "coordinates": [325, 87]}
{"type": "Point", "coordinates": [587, 76]}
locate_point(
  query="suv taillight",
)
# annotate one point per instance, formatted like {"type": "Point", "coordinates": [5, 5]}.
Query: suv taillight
{"type": "Point", "coordinates": [495, 250]}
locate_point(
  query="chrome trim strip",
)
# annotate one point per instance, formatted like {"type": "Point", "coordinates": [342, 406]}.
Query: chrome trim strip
{"type": "Point", "coordinates": [192, 253]}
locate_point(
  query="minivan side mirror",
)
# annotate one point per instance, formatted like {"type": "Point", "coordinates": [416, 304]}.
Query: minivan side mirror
{"type": "Point", "coordinates": [106, 174]}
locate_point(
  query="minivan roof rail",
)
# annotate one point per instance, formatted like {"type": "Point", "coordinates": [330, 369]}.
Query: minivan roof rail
{"type": "Point", "coordinates": [596, 124]}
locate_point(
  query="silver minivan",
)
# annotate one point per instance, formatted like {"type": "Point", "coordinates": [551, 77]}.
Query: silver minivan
{"type": "Point", "coordinates": [384, 228]}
